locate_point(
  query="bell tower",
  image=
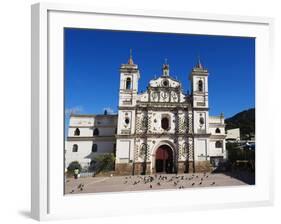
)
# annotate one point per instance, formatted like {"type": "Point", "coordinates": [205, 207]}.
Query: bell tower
{"type": "Point", "coordinates": [129, 76]}
{"type": "Point", "coordinates": [199, 86]}
{"type": "Point", "coordinates": [200, 109]}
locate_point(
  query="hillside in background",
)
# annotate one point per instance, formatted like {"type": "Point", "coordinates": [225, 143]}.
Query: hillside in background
{"type": "Point", "coordinates": [244, 120]}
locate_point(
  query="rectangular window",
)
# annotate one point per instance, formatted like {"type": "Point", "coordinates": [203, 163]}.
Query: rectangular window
{"type": "Point", "coordinates": [94, 148]}
{"type": "Point", "coordinates": [75, 148]}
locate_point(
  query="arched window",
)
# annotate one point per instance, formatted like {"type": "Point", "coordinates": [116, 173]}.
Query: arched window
{"type": "Point", "coordinates": [200, 85]}
{"type": "Point", "coordinates": [218, 144]}
{"type": "Point", "coordinates": [75, 148]}
{"type": "Point", "coordinates": [165, 123]}
{"type": "Point", "coordinates": [218, 130]}
{"type": "Point", "coordinates": [94, 148]}
{"type": "Point", "coordinates": [77, 132]}
{"type": "Point", "coordinates": [128, 83]}
{"type": "Point", "coordinates": [96, 132]}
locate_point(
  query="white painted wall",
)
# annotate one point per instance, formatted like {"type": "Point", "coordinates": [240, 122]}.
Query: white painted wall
{"type": "Point", "coordinates": [200, 149]}
{"type": "Point", "coordinates": [85, 154]}
{"type": "Point", "coordinates": [213, 151]}
{"type": "Point", "coordinates": [88, 131]}
{"type": "Point", "coordinates": [81, 121]}
{"type": "Point", "coordinates": [84, 150]}
{"type": "Point", "coordinates": [198, 128]}
{"type": "Point", "coordinates": [212, 129]}
{"type": "Point", "coordinates": [124, 151]}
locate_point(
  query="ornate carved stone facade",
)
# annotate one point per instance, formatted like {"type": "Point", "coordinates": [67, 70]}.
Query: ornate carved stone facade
{"type": "Point", "coordinates": [165, 117]}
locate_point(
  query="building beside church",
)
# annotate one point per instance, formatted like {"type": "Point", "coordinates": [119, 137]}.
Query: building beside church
{"type": "Point", "coordinates": [162, 130]}
{"type": "Point", "coordinates": [233, 134]}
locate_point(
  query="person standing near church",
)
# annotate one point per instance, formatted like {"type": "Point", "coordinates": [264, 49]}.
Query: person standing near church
{"type": "Point", "coordinates": [76, 172]}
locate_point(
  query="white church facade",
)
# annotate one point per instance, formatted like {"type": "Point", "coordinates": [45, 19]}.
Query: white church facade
{"type": "Point", "coordinates": [162, 130]}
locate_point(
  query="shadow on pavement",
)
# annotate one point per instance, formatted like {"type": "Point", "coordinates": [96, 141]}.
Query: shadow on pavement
{"type": "Point", "coordinates": [245, 176]}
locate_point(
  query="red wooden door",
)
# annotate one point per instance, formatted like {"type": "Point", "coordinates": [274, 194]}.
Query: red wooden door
{"type": "Point", "coordinates": [164, 159]}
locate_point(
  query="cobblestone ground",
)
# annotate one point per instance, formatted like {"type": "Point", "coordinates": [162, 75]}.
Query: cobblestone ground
{"type": "Point", "coordinates": [155, 182]}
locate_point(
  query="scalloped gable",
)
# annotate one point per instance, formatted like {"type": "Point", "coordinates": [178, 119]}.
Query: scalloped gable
{"type": "Point", "coordinates": [159, 82]}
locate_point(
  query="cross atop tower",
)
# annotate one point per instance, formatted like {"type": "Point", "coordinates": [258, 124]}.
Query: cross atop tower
{"type": "Point", "coordinates": [165, 68]}
{"type": "Point", "coordinates": [130, 61]}
{"type": "Point", "coordinates": [199, 64]}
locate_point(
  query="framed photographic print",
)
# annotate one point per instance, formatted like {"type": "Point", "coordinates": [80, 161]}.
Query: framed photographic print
{"type": "Point", "coordinates": [148, 111]}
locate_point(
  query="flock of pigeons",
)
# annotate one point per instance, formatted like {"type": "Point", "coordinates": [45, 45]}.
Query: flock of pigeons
{"type": "Point", "coordinates": [79, 187]}
{"type": "Point", "coordinates": [157, 180]}
{"type": "Point", "coordinates": [178, 181]}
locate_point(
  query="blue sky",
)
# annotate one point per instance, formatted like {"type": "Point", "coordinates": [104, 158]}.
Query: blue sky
{"type": "Point", "coordinates": [93, 59]}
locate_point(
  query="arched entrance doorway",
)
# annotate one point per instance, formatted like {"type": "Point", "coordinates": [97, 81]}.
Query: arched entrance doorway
{"type": "Point", "coordinates": [164, 159]}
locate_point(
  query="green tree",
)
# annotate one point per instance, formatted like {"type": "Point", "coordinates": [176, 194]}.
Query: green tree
{"type": "Point", "coordinates": [74, 165]}
{"type": "Point", "coordinates": [232, 151]}
{"type": "Point", "coordinates": [105, 162]}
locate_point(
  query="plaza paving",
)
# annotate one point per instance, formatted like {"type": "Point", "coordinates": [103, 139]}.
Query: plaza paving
{"type": "Point", "coordinates": [155, 182]}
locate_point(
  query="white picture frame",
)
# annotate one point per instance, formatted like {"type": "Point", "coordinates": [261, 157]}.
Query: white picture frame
{"type": "Point", "coordinates": [48, 201]}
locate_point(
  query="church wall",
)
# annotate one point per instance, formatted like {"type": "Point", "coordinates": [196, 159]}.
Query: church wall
{"type": "Point", "coordinates": [217, 151]}
{"type": "Point", "coordinates": [84, 149]}
{"type": "Point", "coordinates": [106, 131]}
{"type": "Point", "coordinates": [126, 126]}
{"type": "Point", "coordinates": [213, 128]}
{"type": "Point", "coordinates": [124, 156]}
{"type": "Point", "coordinates": [200, 149]}
{"type": "Point", "coordinates": [88, 131]}
{"type": "Point", "coordinates": [106, 125]}
{"type": "Point", "coordinates": [199, 127]}
{"type": "Point", "coordinates": [84, 131]}
{"type": "Point", "coordinates": [124, 151]}
{"type": "Point", "coordinates": [105, 120]}
{"type": "Point", "coordinates": [85, 154]}
{"type": "Point", "coordinates": [143, 97]}
{"type": "Point", "coordinates": [217, 120]}
{"type": "Point", "coordinates": [81, 121]}
{"type": "Point", "coordinates": [156, 122]}
{"type": "Point", "coordinates": [214, 151]}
